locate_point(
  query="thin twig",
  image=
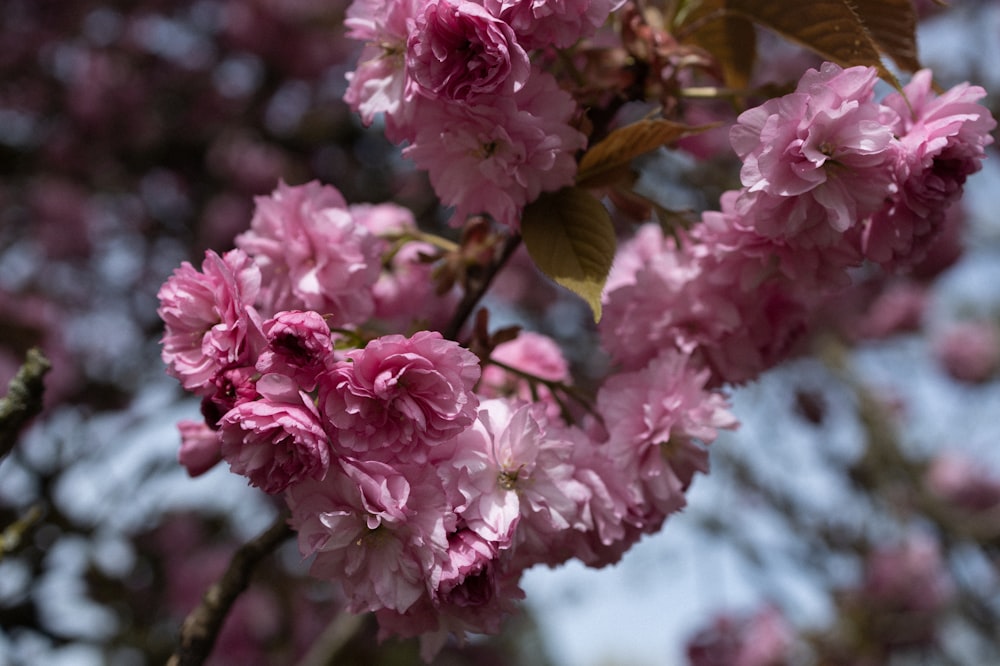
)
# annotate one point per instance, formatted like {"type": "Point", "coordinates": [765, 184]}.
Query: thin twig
{"type": "Point", "coordinates": [475, 292]}
{"type": "Point", "coordinates": [333, 639]}
{"type": "Point", "coordinates": [202, 625]}
{"type": "Point", "coordinates": [23, 400]}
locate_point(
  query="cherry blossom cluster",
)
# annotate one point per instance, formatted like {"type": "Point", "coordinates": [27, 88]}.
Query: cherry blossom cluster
{"type": "Point", "coordinates": [463, 83]}
{"type": "Point", "coordinates": [831, 179]}
{"type": "Point", "coordinates": [421, 476]}
{"type": "Point", "coordinates": [426, 477]}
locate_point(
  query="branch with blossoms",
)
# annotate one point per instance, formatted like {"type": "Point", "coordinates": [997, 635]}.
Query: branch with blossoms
{"type": "Point", "coordinates": [424, 467]}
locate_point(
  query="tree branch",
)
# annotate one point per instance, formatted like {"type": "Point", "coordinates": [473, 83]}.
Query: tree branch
{"type": "Point", "coordinates": [202, 625]}
{"type": "Point", "coordinates": [23, 400]}
{"type": "Point", "coordinates": [477, 288]}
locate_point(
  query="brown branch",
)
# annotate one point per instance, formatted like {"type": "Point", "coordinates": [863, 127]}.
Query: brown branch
{"type": "Point", "coordinates": [23, 400]}
{"type": "Point", "coordinates": [477, 286]}
{"type": "Point", "coordinates": [202, 625]}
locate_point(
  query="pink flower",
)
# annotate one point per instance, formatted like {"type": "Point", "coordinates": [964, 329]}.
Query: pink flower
{"type": "Point", "coordinates": [670, 302]}
{"type": "Point", "coordinates": [399, 395]}
{"type": "Point", "coordinates": [901, 600]}
{"type": "Point", "coordinates": [736, 301]}
{"type": "Point", "coordinates": [899, 308]}
{"type": "Point", "coordinates": [969, 351]}
{"type": "Point", "coordinates": [531, 353]}
{"type": "Point", "coordinates": [659, 419]}
{"type": "Point", "coordinates": [499, 154]}
{"type": "Point", "coordinates": [275, 444]}
{"type": "Point", "coordinates": [466, 578]}
{"type": "Point", "coordinates": [908, 576]}
{"type": "Point", "coordinates": [487, 594]}
{"type": "Point", "coordinates": [740, 257]}
{"type": "Point", "coordinates": [644, 246]}
{"type": "Point", "coordinates": [963, 482]}
{"type": "Point", "coordinates": [775, 321]}
{"type": "Point", "coordinates": [200, 447]}
{"type": "Point", "coordinates": [210, 322]}
{"type": "Point", "coordinates": [761, 639]}
{"type": "Point", "coordinates": [817, 161]}
{"type": "Point", "coordinates": [378, 530]}
{"type": "Point", "coordinates": [386, 219]}
{"type": "Point", "coordinates": [406, 293]}
{"type": "Point", "coordinates": [559, 23]}
{"type": "Point", "coordinates": [458, 51]}
{"type": "Point", "coordinates": [378, 84]}
{"type": "Point", "coordinates": [299, 345]}
{"type": "Point", "coordinates": [312, 254]}
{"type": "Point", "coordinates": [231, 387]}
{"type": "Point", "coordinates": [942, 142]}
{"type": "Point", "coordinates": [515, 474]}
{"type": "Point", "coordinates": [615, 519]}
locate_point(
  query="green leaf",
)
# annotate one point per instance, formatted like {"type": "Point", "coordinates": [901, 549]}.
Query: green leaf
{"type": "Point", "coordinates": [604, 160]}
{"type": "Point", "coordinates": [831, 28]}
{"type": "Point", "coordinates": [570, 237]}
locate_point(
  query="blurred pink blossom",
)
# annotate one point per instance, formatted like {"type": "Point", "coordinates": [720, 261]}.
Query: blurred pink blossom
{"type": "Point", "coordinates": [969, 351]}
{"type": "Point", "coordinates": [761, 639]}
{"type": "Point", "coordinates": [963, 481]}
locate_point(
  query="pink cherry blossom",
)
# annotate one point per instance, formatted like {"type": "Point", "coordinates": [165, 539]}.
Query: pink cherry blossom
{"type": "Point", "coordinates": [312, 254]}
{"type": "Point", "coordinates": [558, 23]}
{"type": "Point", "coordinates": [531, 353]}
{"type": "Point", "coordinates": [471, 591]}
{"type": "Point", "coordinates": [909, 575]}
{"type": "Point", "coordinates": [398, 395]}
{"type": "Point", "coordinates": [499, 154]}
{"type": "Point", "coordinates": [379, 530]}
{"type": "Point", "coordinates": [739, 257]}
{"type": "Point", "coordinates": [275, 444]}
{"type": "Point", "coordinates": [963, 481]}
{"type": "Point", "coordinates": [200, 447]}
{"type": "Point", "coordinates": [406, 294]}
{"type": "Point", "coordinates": [378, 83]}
{"type": "Point", "coordinates": [231, 387]}
{"type": "Point", "coordinates": [488, 594]}
{"type": "Point", "coordinates": [659, 419]}
{"type": "Point", "coordinates": [763, 638]}
{"type": "Point", "coordinates": [942, 141]}
{"type": "Point", "coordinates": [817, 161]}
{"type": "Point", "coordinates": [669, 303]}
{"type": "Point", "coordinates": [299, 344]}
{"type": "Point", "coordinates": [614, 521]}
{"type": "Point", "coordinates": [458, 51]}
{"type": "Point", "coordinates": [516, 478]}
{"type": "Point", "coordinates": [898, 308]}
{"type": "Point", "coordinates": [211, 324]}
{"type": "Point", "coordinates": [969, 351]}
{"type": "Point", "coordinates": [775, 322]}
